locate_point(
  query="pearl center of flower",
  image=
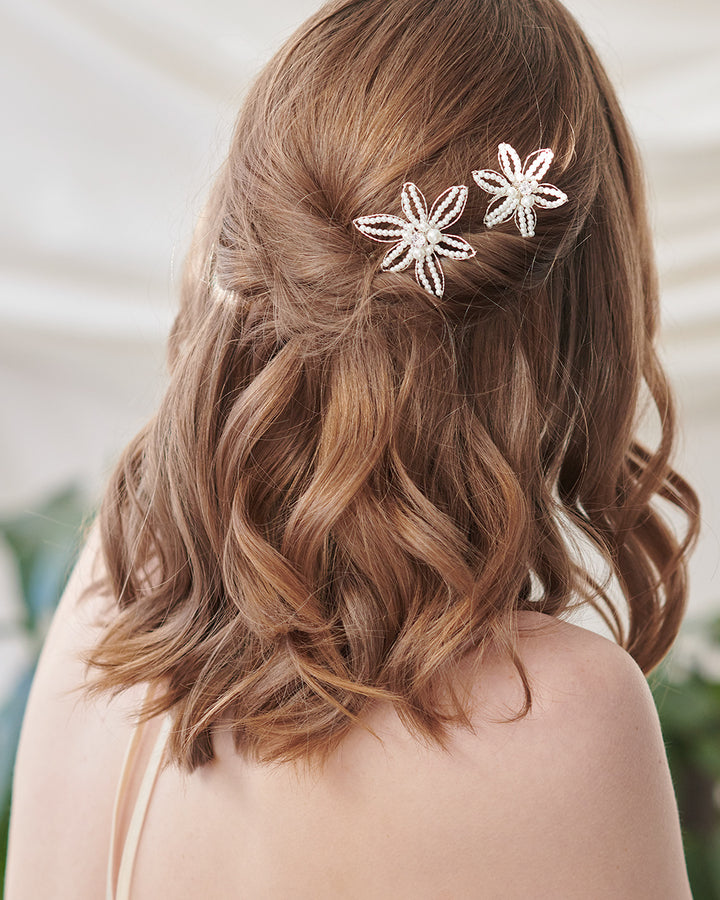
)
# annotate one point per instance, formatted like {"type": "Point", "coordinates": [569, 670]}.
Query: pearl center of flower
{"type": "Point", "coordinates": [418, 245]}
{"type": "Point", "coordinates": [422, 239]}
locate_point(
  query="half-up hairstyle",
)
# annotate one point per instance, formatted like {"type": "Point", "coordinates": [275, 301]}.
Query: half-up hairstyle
{"type": "Point", "coordinates": [351, 485]}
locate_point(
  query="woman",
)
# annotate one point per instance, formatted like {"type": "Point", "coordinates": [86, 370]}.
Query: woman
{"type": "Point", "coordinates": [329, 577]}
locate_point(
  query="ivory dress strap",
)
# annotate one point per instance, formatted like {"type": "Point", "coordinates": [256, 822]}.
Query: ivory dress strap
{"type": "Point", "coordinates": [121, 889]}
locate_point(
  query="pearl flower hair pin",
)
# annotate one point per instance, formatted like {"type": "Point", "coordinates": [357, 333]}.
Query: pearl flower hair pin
{"type": "Point", "coordinates": [419, 237]}
{"type": "Point", "coordinates": [517, 190]}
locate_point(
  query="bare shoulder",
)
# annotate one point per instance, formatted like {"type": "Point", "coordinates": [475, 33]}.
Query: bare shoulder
{"type": "Point", "coordinates": [69, 756]}
{"type": "Point", "coordinates": [591, 797]}
{"type": "Point", "coordinates": [574, 800]}
{"type": "Point", "coordinates": [577, 664]}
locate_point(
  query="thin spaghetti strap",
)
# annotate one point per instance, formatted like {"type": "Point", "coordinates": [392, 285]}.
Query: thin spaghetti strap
{"type": "Point", "coordinates": [127, 766]}
{"type": "Point", "coordinates": [132, 837]}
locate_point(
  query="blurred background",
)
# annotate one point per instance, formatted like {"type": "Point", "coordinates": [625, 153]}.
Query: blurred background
{"type": "Point", "coordinates": [114, 119]}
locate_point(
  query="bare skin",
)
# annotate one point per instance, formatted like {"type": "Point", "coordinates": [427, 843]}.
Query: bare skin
{"type": "Point", "coordinates": [575, 801]}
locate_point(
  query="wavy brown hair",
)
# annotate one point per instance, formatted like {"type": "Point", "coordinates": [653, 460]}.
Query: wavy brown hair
{"type": "Point", "coordinates": [350, 485]}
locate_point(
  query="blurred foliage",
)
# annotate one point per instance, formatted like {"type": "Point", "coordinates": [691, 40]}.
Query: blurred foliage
{"type": "Point", "coordinates": [689, 709]}
{"type": "Point", "coordinates": [45, 544]}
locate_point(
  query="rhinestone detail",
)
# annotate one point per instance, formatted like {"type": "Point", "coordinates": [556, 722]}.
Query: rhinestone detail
{"type": "Point", "coordinates": [517, 189]}
{"type": "Point", "coordinates": [419, 237]}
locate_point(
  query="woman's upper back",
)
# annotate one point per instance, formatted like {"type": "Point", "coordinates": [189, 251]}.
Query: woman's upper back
{"type": "Point", "coordinates": [574, 800]}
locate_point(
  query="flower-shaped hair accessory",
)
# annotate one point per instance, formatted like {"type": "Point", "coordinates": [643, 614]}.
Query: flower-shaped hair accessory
{"type": "Point", "coordinates": [518, 189]}
{"type": "Point", "coordinates": [420, 238]}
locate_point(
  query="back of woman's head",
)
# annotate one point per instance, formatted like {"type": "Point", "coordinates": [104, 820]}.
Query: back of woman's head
{"type": "Point", "coordinates": [351, 482]}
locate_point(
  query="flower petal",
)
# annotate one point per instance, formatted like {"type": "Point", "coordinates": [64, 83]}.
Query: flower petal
{"type": "Point", "coordinates": [413, 203]}
{"type": "Point", "coordinates": [448, 207]}
{"type": "Point", "coordinates": [500, 210]}
{"type": "Point", "coordinates": [429, 274]}
{"type": "Point", "coordinates": [397, 258]}
{"type": "Point", "coordinates": [381, 228]}
{"type": "Point", "coordinates": [525, 219]}
{"type": "Point", "coordinates": [455, 247]}
{"type": "Point", "coordinates": [491, 181]}
{"type": "Point", "coordinates": [510, 162]}
{"type": "Point", "coordinates": [548, 196]}
{"type": "Point", "coordinates": [537, 164]}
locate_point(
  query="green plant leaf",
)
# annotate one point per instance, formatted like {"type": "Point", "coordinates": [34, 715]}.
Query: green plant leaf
{"type": "Point", "coordinates": [45, 544]}
{"type": "Point", "coordinates": [687, 707]}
